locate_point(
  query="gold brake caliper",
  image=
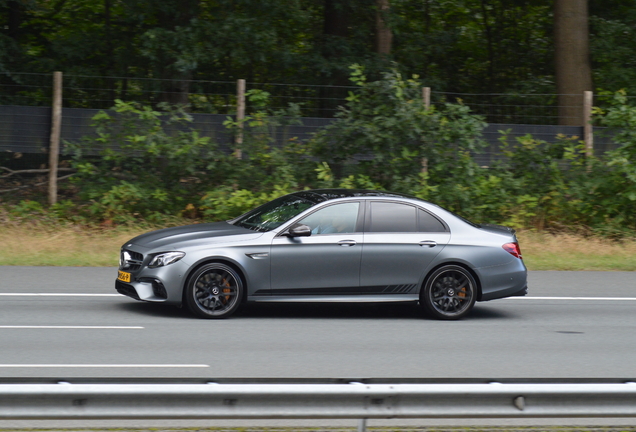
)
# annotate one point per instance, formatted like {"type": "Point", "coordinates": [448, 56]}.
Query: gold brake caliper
{"type": "Point", "coordinates": [226, 290]}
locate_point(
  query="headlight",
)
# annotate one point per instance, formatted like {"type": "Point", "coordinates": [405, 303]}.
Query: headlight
{"type": "Point", "coordinates": [165, 259]}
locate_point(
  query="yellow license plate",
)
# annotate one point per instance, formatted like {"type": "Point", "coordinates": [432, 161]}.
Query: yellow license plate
{"type": "Point", "coordinates": [123, 276]}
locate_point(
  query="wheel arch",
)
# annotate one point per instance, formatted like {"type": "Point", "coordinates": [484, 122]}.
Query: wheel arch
{"type": "Point", "coordinates": [207, 261]}
{"type": "Point", "coordinates": [457, 263]}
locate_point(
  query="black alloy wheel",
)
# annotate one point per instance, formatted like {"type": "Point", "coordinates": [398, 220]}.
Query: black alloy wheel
{"type": "Point", "coordinates": [449, 293]}
{"type": "Point", "coordinates": [214, 291]}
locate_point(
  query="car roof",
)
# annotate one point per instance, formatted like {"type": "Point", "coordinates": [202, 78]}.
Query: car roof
{"type": "Point", "coordinates": [321, 195]}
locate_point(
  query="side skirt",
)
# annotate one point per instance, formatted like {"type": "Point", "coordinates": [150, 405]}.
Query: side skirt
{"type": "Point", "coordinates": [337, 298]}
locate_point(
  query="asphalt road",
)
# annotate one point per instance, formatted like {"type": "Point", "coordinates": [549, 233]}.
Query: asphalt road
{"type": "Point", "coordinates": [66, 323]}
{"type": "Point", "coordinates": [573, 324]}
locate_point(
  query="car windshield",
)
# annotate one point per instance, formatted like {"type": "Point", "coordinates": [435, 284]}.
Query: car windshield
{"type": "Point", "coordinates": [274, 213]}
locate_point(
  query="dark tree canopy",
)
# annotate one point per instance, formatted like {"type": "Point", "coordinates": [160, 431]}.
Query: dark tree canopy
{"type": "Point", "coordinates": [466, 46]}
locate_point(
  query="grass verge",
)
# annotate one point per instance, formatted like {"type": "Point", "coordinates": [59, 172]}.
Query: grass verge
{"type": "Point", "coordinates": [41, 245]}
{"type": "Point", "coordinates": [25, 245]}
{"type": "Point", "coordinates": [543, 251]}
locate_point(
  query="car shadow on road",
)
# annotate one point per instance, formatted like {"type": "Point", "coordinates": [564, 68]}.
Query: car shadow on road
{"type": "Point", "coordinates": [331, 310]}
{"type": "Point", "coordinates": [393, 311]}
{"type": "Point", "coordinates": [156, 310]}
{"type": "Point", "coordinates": [490, 312]}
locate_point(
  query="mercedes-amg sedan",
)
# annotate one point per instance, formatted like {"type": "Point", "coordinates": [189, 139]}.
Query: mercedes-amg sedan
{"type": "Point", "coordinates": [330, 245]}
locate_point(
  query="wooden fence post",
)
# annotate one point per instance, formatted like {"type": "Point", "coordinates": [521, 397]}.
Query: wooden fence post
{"type": "Point", "coordinates": [426, 95]}
{"type": "Point", "coordinates": [240, 116]}
{"type": "Point", "coordinates": [56, 126]}
{"type": "Point", "coordinates": [588, 131]}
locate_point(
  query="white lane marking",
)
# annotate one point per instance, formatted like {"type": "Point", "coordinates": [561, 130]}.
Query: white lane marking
{"type": "Point", "coordinates": [104, 366]}
{"type": "Point", "coordinates": [575, 298]}
{"type": "Point", "coordinates": [70, 327]}
{"type": "Point", "coordinates": [57, 295]}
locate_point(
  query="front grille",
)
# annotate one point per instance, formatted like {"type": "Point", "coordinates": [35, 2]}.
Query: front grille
{"type": "Point", "coordinates": [136, 256]}
{"type": "Point", "coordinates": [130, 260]}
{"type": "Point", "coordinates": [127, 290]}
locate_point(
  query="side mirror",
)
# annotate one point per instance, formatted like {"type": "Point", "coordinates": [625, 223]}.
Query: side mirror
{"type": "Point", "coordinates": [299, 230]}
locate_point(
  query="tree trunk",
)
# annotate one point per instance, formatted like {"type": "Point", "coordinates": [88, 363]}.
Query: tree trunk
{"type": "Point", "coordinates": [176, 85]}
{"type": "Point", "coordinates": [383, 35]}
{"type": "Point", "coordinates": [334, 49]}
{"type": "Point", "coordinates": [572, 59]}
{"type": "Point", "coordinates": [176, 88]}
{"type": "Point", "coordinates": [336, 21]}
{"type": "Point", "coordinates": [15, 19]}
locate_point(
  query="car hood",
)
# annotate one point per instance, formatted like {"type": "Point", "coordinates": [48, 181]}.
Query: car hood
{"type": "Point", "coordinates": [174, 237]}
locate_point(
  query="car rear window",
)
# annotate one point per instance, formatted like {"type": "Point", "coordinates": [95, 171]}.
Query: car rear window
{"type": "Point", "coordinates": [392, 217]}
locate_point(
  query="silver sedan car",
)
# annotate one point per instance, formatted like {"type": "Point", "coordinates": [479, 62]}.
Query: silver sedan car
{"type": "Point", "coordinates": [330, 245]}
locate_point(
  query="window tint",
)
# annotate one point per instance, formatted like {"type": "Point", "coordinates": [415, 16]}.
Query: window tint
{"type": "Point", "coordinates": [274, 213]}
{"type": "Point", "coordinates": [392, 217]}
{"type": "Point", "coordinates": [429, 223]}
{"type": "Point", "coordinates": [338, 218]}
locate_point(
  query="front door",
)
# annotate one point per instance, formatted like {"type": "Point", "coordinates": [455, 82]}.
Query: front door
{"type": "Point", "coordinates": [325, 263]}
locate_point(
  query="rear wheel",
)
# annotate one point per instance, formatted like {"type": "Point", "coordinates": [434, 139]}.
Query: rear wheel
{"type": "Point", "coordinates": [449, 293]}
{"type": "Point", "coordinates": [214, 291]}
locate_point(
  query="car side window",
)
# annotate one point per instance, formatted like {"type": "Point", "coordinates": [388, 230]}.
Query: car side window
{"type": "Point", "coordinates": [392, 217]}
{"type": "Point", "coordinates": [337, 218]}
{"type": "Point", "coordinates": [429, 223]}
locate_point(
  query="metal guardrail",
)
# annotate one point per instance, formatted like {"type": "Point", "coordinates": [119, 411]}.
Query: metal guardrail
{"type": "Point", "coordinates": [315, 401]}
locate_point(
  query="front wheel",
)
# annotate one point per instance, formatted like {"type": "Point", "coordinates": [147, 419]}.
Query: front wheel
{"type": "Point", "coordinates": [214, 291]}
{"type": "Point", "coordinates": [449, 293]}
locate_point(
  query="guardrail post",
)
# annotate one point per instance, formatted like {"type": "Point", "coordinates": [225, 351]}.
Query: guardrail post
{"type": "Point", "coordinates": [362, 425]}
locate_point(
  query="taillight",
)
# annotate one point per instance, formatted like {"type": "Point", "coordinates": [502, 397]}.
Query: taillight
{"type": "Point", "coordinates": [513, 249]}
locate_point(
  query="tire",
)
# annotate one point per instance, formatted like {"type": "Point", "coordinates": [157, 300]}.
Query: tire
{"type": "Point", "coordinates": [449, 293]}
{"type": "Point", "coordinates": [214, 291]}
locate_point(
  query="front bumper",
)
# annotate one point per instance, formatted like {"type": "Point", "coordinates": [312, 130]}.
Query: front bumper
{"type": "Point", "coordinates": [151, 290]}
{"type": "Point", "coordinates": [158, 285]}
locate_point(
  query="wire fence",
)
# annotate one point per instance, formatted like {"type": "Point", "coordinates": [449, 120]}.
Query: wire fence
{"type": "Point", "coordinates": [539, 109]}
{"type": "Point", "coordinates": [25, 110]}
{"type": "Point", "coordinates": [220, 97]}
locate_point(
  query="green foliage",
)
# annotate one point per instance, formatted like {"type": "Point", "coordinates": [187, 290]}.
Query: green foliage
{"type": "Point", "coordinates": [148, 165]}
{"type": "Point", "coordinates": [226, 203]}
{"type": "Point", "coordinates": [387, 122]}
{"type": "Point", "coordinates": [264, 164]}
{"type": "Point", "coordinates": [612, 182]}
{"type": "Point", "coordinates": [27, 208]}
{"type": "Point", "coordinates": [612, 36]}
{"type": "Point", "coordinates": [469, 46]}
{"type": "Point", "coordinates": [139, 157]}
{"type": "Point", "coordinates": [539, 184]}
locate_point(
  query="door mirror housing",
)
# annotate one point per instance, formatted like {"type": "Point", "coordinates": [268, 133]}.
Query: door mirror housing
{"type": "Point", "coordinates": [299, 230]}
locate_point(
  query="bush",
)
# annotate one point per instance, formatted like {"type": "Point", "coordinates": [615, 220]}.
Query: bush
{"type": "Point", "coordinates": [145, 164]}
{"type": "Point", "coordinates": [140, 157]}
{"type": "Point", "coordinates": [387, 125]}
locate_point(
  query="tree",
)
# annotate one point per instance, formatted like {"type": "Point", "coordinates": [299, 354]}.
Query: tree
{"type": "Point", "coordinates": [612, 41]}
{"type": "Point", "coordinates": [572, 59]}
{"type": "Point", "coordinates": [475, 46]}
{"type": "Point", "coordinates": [383, 34]}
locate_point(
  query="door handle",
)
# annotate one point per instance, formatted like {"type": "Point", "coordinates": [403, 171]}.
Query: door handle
{"type": "Point", "coordinates": [429, 243]}
{"type": "Point", "coordinates": [347, 243]}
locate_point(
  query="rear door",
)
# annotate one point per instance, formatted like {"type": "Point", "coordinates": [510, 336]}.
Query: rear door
{"type": "Point", "coordinates": [400, 241]}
